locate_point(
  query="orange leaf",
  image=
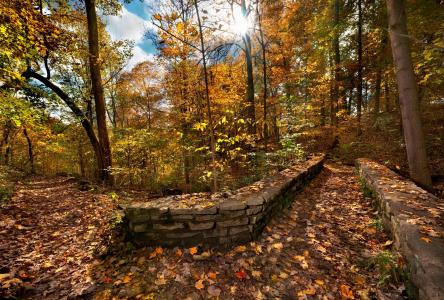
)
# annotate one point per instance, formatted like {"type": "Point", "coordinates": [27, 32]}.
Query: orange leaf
{"type": "Point", "coordinates": [309, 291]}
{"type": "Point", "coordinates": [128, 277]}
{"type": "Point", "coordinates": [199, 284]}
{"type": "Point", "coordinates": [193, 250]}
{"type": "Point", "coordinates": [212, 275]}
{"type": "Point", "coordinates": [427, 240]}
{"type": "Point", "coordinates": [240, 249]}
{"type": "Point", "coordinates": [157, 17]}
{"type": "Point", "coordinates": [346, 293]}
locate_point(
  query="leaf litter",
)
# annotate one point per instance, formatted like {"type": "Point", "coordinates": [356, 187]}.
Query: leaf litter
{"type": "Point", "coordinates": [317, 249]}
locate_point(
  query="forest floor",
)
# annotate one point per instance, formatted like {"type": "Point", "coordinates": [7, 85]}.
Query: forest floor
{"type": "Point", "coordinates": [327, 245]}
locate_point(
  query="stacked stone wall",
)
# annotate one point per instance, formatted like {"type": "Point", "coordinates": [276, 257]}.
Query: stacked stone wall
{"type": "Point", "coordinates": [415, 219]}
{"type": "Point", "coordinates": [222, 219]}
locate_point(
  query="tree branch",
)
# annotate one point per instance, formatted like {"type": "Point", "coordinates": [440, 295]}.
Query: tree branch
{"type": "Point", "coordinates": [176, 37]}
{"type": "Point", "coordinates": [74, 108]}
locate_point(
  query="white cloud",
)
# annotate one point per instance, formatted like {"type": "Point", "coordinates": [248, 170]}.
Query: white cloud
{"type": "Point", "coordinates": [129, 26]}
{"type": "Point", "coordinates": [138, 56]}
{"type": "Point", "coordinates": [126, 26]}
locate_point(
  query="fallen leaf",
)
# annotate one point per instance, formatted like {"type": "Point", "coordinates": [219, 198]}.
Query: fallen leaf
{"type": "Point", "coordinates": [321, 249]}
{"type": "Point", "coordinates": [346, 292]}
{"type": "Point", "coordinates": [212, 275]}
{"type": "Point", "coordinates": [107, 279]}
{"type": "Point", "coordinates": [302, 262]}
{"type": "Point", "coordinates": [360, 280]}
{"type": "Point", "coordinates": [278, 246]}
{"type": "Point", "coordinates": [320, 282]}
{"type": "Point", "coordinates": [309, 291]}
{"type": "Point", "coordinates": [233, 289]}
{"type": "Point", "coordinates": [7, 284]}
{"type": "Point", "coordinates": [241, 274]}
{"type": "Point", "coordinates": [128, 277]}
{"type": "Point", "coordinates": [387, 243]}
{"type": "Point", "coordinates": [425, 239]}
{"type": "Point", "coordinates": [202, 256]}
{"type": "Point", "coordinates": [370, 230]}
{"type": "Point", "coordinates": [240, 249]}
{"type": "Point", "coordinates": [256, 274]}
{"type": "Point", "coordinates": [199, 284]}
{"type": "Point", "coordinates": [5, 276]}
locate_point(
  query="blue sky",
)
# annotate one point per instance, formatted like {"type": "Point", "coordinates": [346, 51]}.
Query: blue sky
{"type": "Point", "coordinates": [131, 24]}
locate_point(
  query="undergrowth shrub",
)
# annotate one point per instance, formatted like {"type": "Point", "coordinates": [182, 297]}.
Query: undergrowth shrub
{"type": "Point", "coordinates": [390, 267]}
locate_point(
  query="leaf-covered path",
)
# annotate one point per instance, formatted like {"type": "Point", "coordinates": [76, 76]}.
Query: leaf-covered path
{"type": "Point", "coordinates": [320, 248]}
{"type": "Point", "coordinates": [50, 233]}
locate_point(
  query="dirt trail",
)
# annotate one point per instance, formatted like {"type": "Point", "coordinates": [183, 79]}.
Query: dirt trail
{"type": "Point", "coordinates": [49, 233]}
{"type": "Point", "coordinates": [319, 248]}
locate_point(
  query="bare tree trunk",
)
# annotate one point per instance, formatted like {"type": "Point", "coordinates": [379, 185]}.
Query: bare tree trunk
{"type": "Point", "coordinates": [275, 124]}
{"type": "Point", "coordinates": [332, 92]}
{"type": "Point", "coordinates": [377, 92]}
{"type": "Point", "coordinates": [89, 111]}
{"type": "Point", "coordinates": [386, 94]}
{"type": "Point", "coordinates": [5, 142]}
{"type": "Point", "coordinates": [408, 95]}
{"type": "Point", "coordinates": [207, 97]}
{"type": "Point", "coordinates": [250, 108]}
{"type": "Point", "coordinates": [350, 99]}
{"type": "Point", "coordinates": [322, 111]}
{"type": "Point", "coordinates": [380, 66]}
{"type": "Point", "coordinates": [97, 89]}
{"type": "Point", "coordinates": [114, 110]}
{"type": "Point", "coordinates": [30, 152]}
{"type": "Point", "coordinates": [5, 139]}
{"type": "Point", "coordinates": [264, 72]}
{"type": "Point", "coordinates": [359, 98]}
{"type": "Point", "coordinates": [81, 158]}
{"type": "Point", "coordinates": [336, 64]}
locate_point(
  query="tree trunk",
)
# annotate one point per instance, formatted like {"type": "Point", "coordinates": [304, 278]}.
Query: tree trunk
{"type": "Point", "coordinates": [77, 112]}
{"type": "Point", "coordinates": [113, 118]}
{"type": "Point", "coordinates": [359, 98]}
{"type": "Point", "coordinates": [207, 97]}
{"type": "Point", "coordinates": [5, 139]}
{"type": "Point", "coordinates": [264, 74]}
{"type": "Point", "coordinates": [81, 158]}
{"type": "Point", "coordinates": [250, 108]}
{"type": "Point", "coordinates": [350, 99]}
{"type": "Point", "coordinates": [337, 61]}
{"type": "Point", "coordinates": [322, 111]}
{"type": "Point", "coordinates": [332, 93]}
{"type": "Point", "coordinates": [30, 152]}
{"type": "Point", "coordinates": [386, 94]}
{"type": "Point", "coordinates": [377, 92]}
{"type": "Point", "coordinates": [97, 89]}
{"type": "Point", "coordinates": [408, 95]}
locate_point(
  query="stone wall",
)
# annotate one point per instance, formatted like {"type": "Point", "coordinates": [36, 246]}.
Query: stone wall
{"type": "Point", "coordinates": [220, 219]}
{"type": "Point", "coordinates": [416, 221]}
